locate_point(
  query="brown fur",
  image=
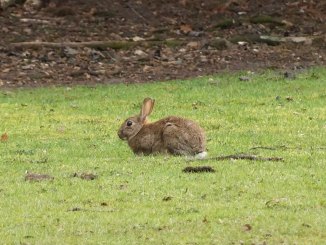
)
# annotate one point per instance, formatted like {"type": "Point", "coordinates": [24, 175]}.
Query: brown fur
{"type": "Point", "coordinates": [174, 135]}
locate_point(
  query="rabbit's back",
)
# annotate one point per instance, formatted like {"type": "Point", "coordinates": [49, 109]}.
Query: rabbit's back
{"type": "Point", "coordinates": [174, 135]}
{"type": "Point", "coordinates": [183, 137]}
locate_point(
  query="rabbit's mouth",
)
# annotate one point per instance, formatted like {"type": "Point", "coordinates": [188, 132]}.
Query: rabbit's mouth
{"type": "Point", "coordinates": [122, 136]}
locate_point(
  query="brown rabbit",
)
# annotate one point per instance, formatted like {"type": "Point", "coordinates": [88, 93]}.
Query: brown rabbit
{"type": "Point", "coordinates": [174, 135]}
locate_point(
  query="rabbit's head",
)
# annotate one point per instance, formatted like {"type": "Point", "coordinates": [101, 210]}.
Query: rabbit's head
{"type": "Point", "coordinates": [131, 126]}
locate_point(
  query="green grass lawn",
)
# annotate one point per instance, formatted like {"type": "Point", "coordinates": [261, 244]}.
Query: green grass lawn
{"type": "Point", "coordinates": [149, 200]}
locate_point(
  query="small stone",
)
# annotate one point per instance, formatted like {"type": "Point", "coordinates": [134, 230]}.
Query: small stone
{"type": "Point", "coordinates": [5, 29]}
{"type": "Point", "coordinates": [28, 67]}
{"type": "Point", "coordinates": [203, 58]}
{"type": "Point", "coordinates": [182, 50]}
{"type": "Point", "coordinates": [177, 62]}
{"type": "Point", "coordinates": [137, 39]}
{"type": "Point", "coordinates": [115, 36]}
{"type": "Point", "coordinates": [242, 43]}
{"type": "Point", "coordinates": [193, 45]}
{"type": "Point", "coordinates": [196, 33]}
{"type": "Point", "coordinates": [28, 31]}
{"type": "Point", "coordinates": [70, 51]}
{"type": "Point", "coordinates": [140, 52]}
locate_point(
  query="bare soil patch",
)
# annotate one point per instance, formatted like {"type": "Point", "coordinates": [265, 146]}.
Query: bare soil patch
{"type": "Point", "coordinates": [89, 42]}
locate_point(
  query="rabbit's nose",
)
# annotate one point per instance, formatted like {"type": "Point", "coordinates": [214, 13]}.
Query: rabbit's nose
{"type": "Point", "coordinates": [121, 135]}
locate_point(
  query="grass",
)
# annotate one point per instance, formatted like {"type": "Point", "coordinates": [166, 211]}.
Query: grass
{"type": "Point", "coordinates": [149, 200]}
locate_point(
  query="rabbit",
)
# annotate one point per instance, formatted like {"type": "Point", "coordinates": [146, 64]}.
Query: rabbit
{"type": "Point", "coordinates": [172, 135]}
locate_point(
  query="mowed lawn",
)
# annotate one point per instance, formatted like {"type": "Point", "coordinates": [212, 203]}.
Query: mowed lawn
{"type": "Point", "coordinates": [69, 132]}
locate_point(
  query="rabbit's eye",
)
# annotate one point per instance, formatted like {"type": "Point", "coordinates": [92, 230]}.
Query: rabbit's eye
{"type": "Point", "coordinates": [129, 123]}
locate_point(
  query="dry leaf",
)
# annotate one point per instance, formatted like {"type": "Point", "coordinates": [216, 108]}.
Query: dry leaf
{"type": "Point", "coordinates": [247, 227]}
{"type": "Point", "coordinates": [185, 28]}
{"type": "Point", "coordinates": [193, 45]}
{"type": "Point", "coordinates": [4, 137]}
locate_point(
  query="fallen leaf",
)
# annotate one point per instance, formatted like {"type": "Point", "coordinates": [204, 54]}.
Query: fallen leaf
{"type": "Point", "coordinates": [247, 227]}
{"type": "Point", "coordinates": [4, 137]}
{"type": "Point", "coordinates": [185, 28]}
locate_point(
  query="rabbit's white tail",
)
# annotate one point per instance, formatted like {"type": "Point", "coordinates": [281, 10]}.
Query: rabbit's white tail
{"type": "Point", "coordinates": [201, 155]}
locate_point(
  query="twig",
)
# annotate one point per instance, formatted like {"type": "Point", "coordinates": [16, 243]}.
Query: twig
{"type": "Point", "coordinates": [138, 14]}
{"type": "Point", "coordinates": [242, 157]}
{"type": "Point", "coordinates": [96, 44]}
{"type": "Point", "coordinates": [273, 148]}
{"type": "Point", "coordinates": [37, 21]}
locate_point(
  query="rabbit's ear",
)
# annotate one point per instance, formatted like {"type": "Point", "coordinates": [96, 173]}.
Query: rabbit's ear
{"type": "Point", "coordinates": [146, 109]}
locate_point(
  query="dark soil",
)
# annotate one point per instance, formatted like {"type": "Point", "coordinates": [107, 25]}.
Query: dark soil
{"type": "Point", "coordinates": [157, 40]}
{"type": "Point", "coordinates": [85, 176]}
{"type": "Point", "coordinates": [198, 169]}
{"type": "Point", "coordinates": [37, 177]}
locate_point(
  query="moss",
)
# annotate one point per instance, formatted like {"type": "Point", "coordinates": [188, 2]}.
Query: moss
{"type": "Point", "coordinates": [219, 44]}
{"type": "Point", "coordinates": [262, 19]}
{"type": "Point", "coordinates": [224, 24]}
{"type": "Point", "coordinates": [173, 43]}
